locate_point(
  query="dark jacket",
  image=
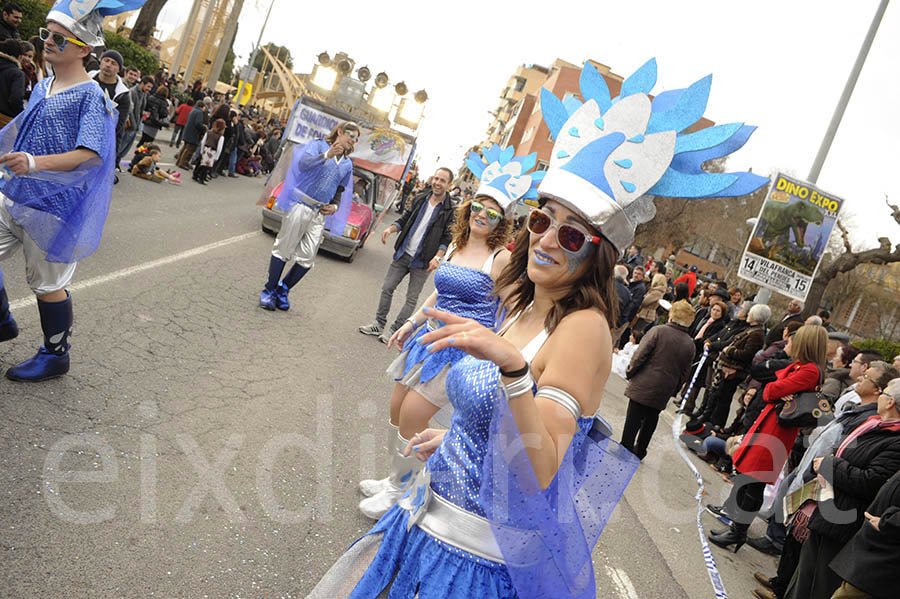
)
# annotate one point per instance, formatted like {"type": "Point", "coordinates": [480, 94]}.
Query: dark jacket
{"type": "Point", "coordinates": [159, 111]}
{"type": "Point", "coordinates": [711, 331]}
{"type": "Point", "coordinates": [869, 559]}
{"type": "Point", "coordinates": [193, 128]}
{"type": "Point", "coordinates": [7, 32]}
{"type": "Point", "coordinates": [12, 85]}
{"type": "Point", "coordinates": [625, 301]}
{"type": "Point", "coordinates": [122, 99]}
{"type": "Point", "coordinates": [660, 366]}
{"type": "Point", "coordinates": [739, 353]}
{"type": "Point", "coordinates": [721, 339]}
{"type": "Point", "coordinates": [778, 330]}
{"type": "Point", "coordinates": [437, 235]}
{"type": "Point", "coordinates": [864, 466]}
{"type": "Point", "coordinates": [638, 290]}
{"type": "Point", "coordinates": [138, 105]}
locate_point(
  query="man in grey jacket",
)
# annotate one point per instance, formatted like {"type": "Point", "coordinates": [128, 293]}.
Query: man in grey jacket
{"type": "Point", "coordinates": [138, 95]}
{"type": "Point", "coordinates": [193, 133]}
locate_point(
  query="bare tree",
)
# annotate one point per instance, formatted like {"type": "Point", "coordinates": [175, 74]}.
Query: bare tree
{"type": "Point", "coordinates": [847, 261]}
{"type": "Point", "coordinates": [146, 22]}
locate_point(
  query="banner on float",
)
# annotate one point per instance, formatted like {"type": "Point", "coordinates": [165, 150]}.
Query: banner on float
{"type": "Point", "coordinates": [791, 233]}
{"type": "Point", "coordinates": [381, 150]}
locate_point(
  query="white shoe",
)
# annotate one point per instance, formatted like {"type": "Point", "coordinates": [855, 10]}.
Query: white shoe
{"type": "Point", "coordinates": [372, 486]}
{"type": "Point", "coordinates": [376, 506]}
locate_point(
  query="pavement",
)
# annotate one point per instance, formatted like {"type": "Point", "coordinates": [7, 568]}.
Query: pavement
{"type": "Point", "coordinates": [203, 447]}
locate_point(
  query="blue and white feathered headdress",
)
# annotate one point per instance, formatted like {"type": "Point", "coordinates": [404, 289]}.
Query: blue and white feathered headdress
{"type": "Point", "coordinates": [613, 154]}
{"type": "Point", "coordinates": [84, 18]}
{"type": "Point", "coordinates": [505, 177]}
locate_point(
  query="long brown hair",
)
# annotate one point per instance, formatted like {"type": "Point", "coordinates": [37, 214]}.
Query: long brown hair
{"type": "Point", "coordinates": [342, 126]}
{"type": "Point", "coordinates": [809, 345]}
{"type": "Point", "coordinates": [499, 235]}
{"type": "Point", "coordinates": [595, 288]}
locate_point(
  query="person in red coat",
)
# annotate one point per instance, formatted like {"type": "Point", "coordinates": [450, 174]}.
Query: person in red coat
{"type": "Point", "coordinates": [690, 277]}
{"type": "Point", "coordinates": [766, 446]}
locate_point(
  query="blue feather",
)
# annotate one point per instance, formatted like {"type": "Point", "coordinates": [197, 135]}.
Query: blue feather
{"type": "Point", "coordinates": [641, 81]}
{"type": "Point", "coordinates": [585, 163]}
{"type": "Point", "coordinates": [705, 138]}
{"type": "Point", "coordinates": [115, 7]}
{"type": "Point", "coordinates": [593, 87]}
{"type": "Point", "coordinates": [571, 104]}
{"type": "Point", "coordinates": [690, 162]}
{"type": "Point", "coordinates": [666, 100]}
{"type": "Point", "coordinates": [507, 155]}
{"type": "Point", "coordinates": [554, 112]}
{"type": "Point", "coordinates": [527, 162]}
{"type": "Point", "coordinates": [687, 111]}
{"type": "Point", "coordinates": [746, 184]}
{"type": "Point", "coordinates": [674, 184]}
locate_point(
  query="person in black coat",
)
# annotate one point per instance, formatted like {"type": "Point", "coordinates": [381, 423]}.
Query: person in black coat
{"type": "Point", "coordinates": [866, 459]}
{"type": "Point", "coordinates": [12, 80]}
{"type": "Point", "coordinates": [866, 563]}
{"type": "Point", "coordinates": [793, 315]}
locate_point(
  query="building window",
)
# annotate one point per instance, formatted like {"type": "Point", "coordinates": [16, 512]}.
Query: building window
{"type": "Point", "coordinates": [542, 165]}
{"type": "Point", "coordinates": [529, 133]}
{"type": "Point", "coordinates": [520, 84]}
{"type": "Point", "coordinates": [550, 138]}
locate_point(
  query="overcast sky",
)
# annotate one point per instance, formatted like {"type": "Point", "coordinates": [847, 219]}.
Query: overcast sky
{"type": "Point", "coordinates": [778, 65]}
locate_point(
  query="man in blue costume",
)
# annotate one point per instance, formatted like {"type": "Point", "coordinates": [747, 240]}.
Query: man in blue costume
{"type": "Point", "coordinates": [320, 175]}
{"type": "Point", "coordinates": [57, 161]}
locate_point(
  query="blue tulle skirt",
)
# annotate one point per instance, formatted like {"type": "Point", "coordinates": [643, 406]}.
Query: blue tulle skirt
{"type": "Point", "coordinates": [411, 563]}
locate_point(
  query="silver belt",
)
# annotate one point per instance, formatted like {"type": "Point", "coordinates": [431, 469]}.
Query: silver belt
{"type": "Point", "coordinates": [307, 200]}
{"type": "Point", "coordinates": [449, 523]}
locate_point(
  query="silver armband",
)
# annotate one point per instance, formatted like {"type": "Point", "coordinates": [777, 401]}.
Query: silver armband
{"type": "Point", "coordinates": [563, 398]}
{"type": "Point", "coordinates": [520, 386]}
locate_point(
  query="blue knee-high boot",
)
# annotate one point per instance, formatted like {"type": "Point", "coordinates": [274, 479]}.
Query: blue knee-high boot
{"type": "Point", "coordinates": [267, 295]}
{"type": "Point", "coordinates": [52, 358]}
{"type": "Point", "coordinates": [292, 278]}
{"type": "Point", "coordinates": [8, 328]}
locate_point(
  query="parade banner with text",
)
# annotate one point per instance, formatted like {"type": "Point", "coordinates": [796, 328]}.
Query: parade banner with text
{"type": "Point", "coordinates": [793, 228]}
{"type": "Point", "coordinates": [379, 150]}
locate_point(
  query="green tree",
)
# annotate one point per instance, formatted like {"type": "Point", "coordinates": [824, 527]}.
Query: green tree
{"type": "Point", "coordinates": [282, 53]}
{"type": "Point", "coordinates": [34, 16]}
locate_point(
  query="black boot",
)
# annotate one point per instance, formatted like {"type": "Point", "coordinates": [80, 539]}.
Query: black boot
{"type": "Point", "coordinates": [8, 328]}
{"type": "Point", "coordinates": [52, 358]}
{"type": "Point", "coordinates": [267, 295]}
{"type": "Point", "coordinates": [736, 535]}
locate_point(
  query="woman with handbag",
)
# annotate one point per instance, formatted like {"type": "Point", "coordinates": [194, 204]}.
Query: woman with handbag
{"type": "Point", "coordinates": [766, 446]}
{"type": "Point", "coordinates": [158, 109]}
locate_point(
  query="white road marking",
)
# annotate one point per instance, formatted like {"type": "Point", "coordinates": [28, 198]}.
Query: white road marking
{"type": "Point", "coordinates": [621, 582]}
{"type": "Point", "coordinates": [132, 270]}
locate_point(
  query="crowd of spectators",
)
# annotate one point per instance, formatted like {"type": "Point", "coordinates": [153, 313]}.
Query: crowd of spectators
{"type": "Point", "coordinates": [829, 493]}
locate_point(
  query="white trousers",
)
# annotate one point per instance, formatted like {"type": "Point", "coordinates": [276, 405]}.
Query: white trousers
{"type": "Point", "coordinates": [301, 234]}
{"type": "Point", "coordinates": [43, 277]}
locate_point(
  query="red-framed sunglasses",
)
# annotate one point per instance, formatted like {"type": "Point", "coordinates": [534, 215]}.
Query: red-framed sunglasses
{"type": "Point", "coordinates": [570, 238]}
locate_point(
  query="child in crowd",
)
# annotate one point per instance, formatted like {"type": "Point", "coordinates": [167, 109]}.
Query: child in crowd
{"type": "Point", "coordinates": [622, 357]}
{"type": "Point", "coordinates": [147, 167]}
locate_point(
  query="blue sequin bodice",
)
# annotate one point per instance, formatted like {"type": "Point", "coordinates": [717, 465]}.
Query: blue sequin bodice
{"type": "Point", "coordinates": [466, 292]}
{"type": "Point", "coordinates": [472, 389]}
{"type": "Point", "coordinates": [463, 291]}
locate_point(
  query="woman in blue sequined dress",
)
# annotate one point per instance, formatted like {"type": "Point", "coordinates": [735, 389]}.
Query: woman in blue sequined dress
{"type": "Point", "coordinates": [464, 285]}
{"type": "Point", "coordinates": [541, 376]}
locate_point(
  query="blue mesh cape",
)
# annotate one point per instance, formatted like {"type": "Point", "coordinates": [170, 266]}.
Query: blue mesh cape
{"type": "Point", "coordinates": [318, 183]}
{"type": "Point", "coordinates": [547, 536]}
{"type": "Point", "coordinates": [63, 211]}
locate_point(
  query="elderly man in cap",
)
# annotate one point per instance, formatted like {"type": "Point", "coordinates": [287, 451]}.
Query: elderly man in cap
{"type": "Point", "coordinates": [660, 366]}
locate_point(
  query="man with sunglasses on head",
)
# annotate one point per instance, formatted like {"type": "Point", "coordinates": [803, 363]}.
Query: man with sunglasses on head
{"type": "Point", "coordinates": [424, 235]}
{"type": "Point", "coordinates": [57, 180]}
{"type": "Point", "coordinates": [320, 174]}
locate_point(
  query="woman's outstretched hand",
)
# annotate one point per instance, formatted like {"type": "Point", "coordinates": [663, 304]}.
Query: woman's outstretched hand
{"type": "Point", "coordinates": [425, 443]}
{"type": "Point", "coordinates": [473, 338]}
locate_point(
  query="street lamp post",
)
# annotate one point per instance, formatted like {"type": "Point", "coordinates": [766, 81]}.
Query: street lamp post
{"type": "Point", "coordinates": [253, 55]}
{"type": "Point", "coordinates": [845, 96]}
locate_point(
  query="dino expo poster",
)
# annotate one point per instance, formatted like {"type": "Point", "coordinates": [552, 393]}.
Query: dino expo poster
{"type": "Point", "coordinates": [790, 236]}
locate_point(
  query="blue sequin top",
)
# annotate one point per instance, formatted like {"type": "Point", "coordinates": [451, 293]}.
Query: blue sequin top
{"type": "Point", "coordinates": [463, 291]}
{"type": "Point", "coordinates": [457, 464]}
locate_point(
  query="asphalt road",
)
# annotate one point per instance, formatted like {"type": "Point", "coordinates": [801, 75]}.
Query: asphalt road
{"type": "Point", "coordinates": [202, 447]}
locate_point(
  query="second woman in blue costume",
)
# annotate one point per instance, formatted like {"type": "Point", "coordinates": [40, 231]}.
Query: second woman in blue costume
{"type": "Point", "coordinates": [464, 286]}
